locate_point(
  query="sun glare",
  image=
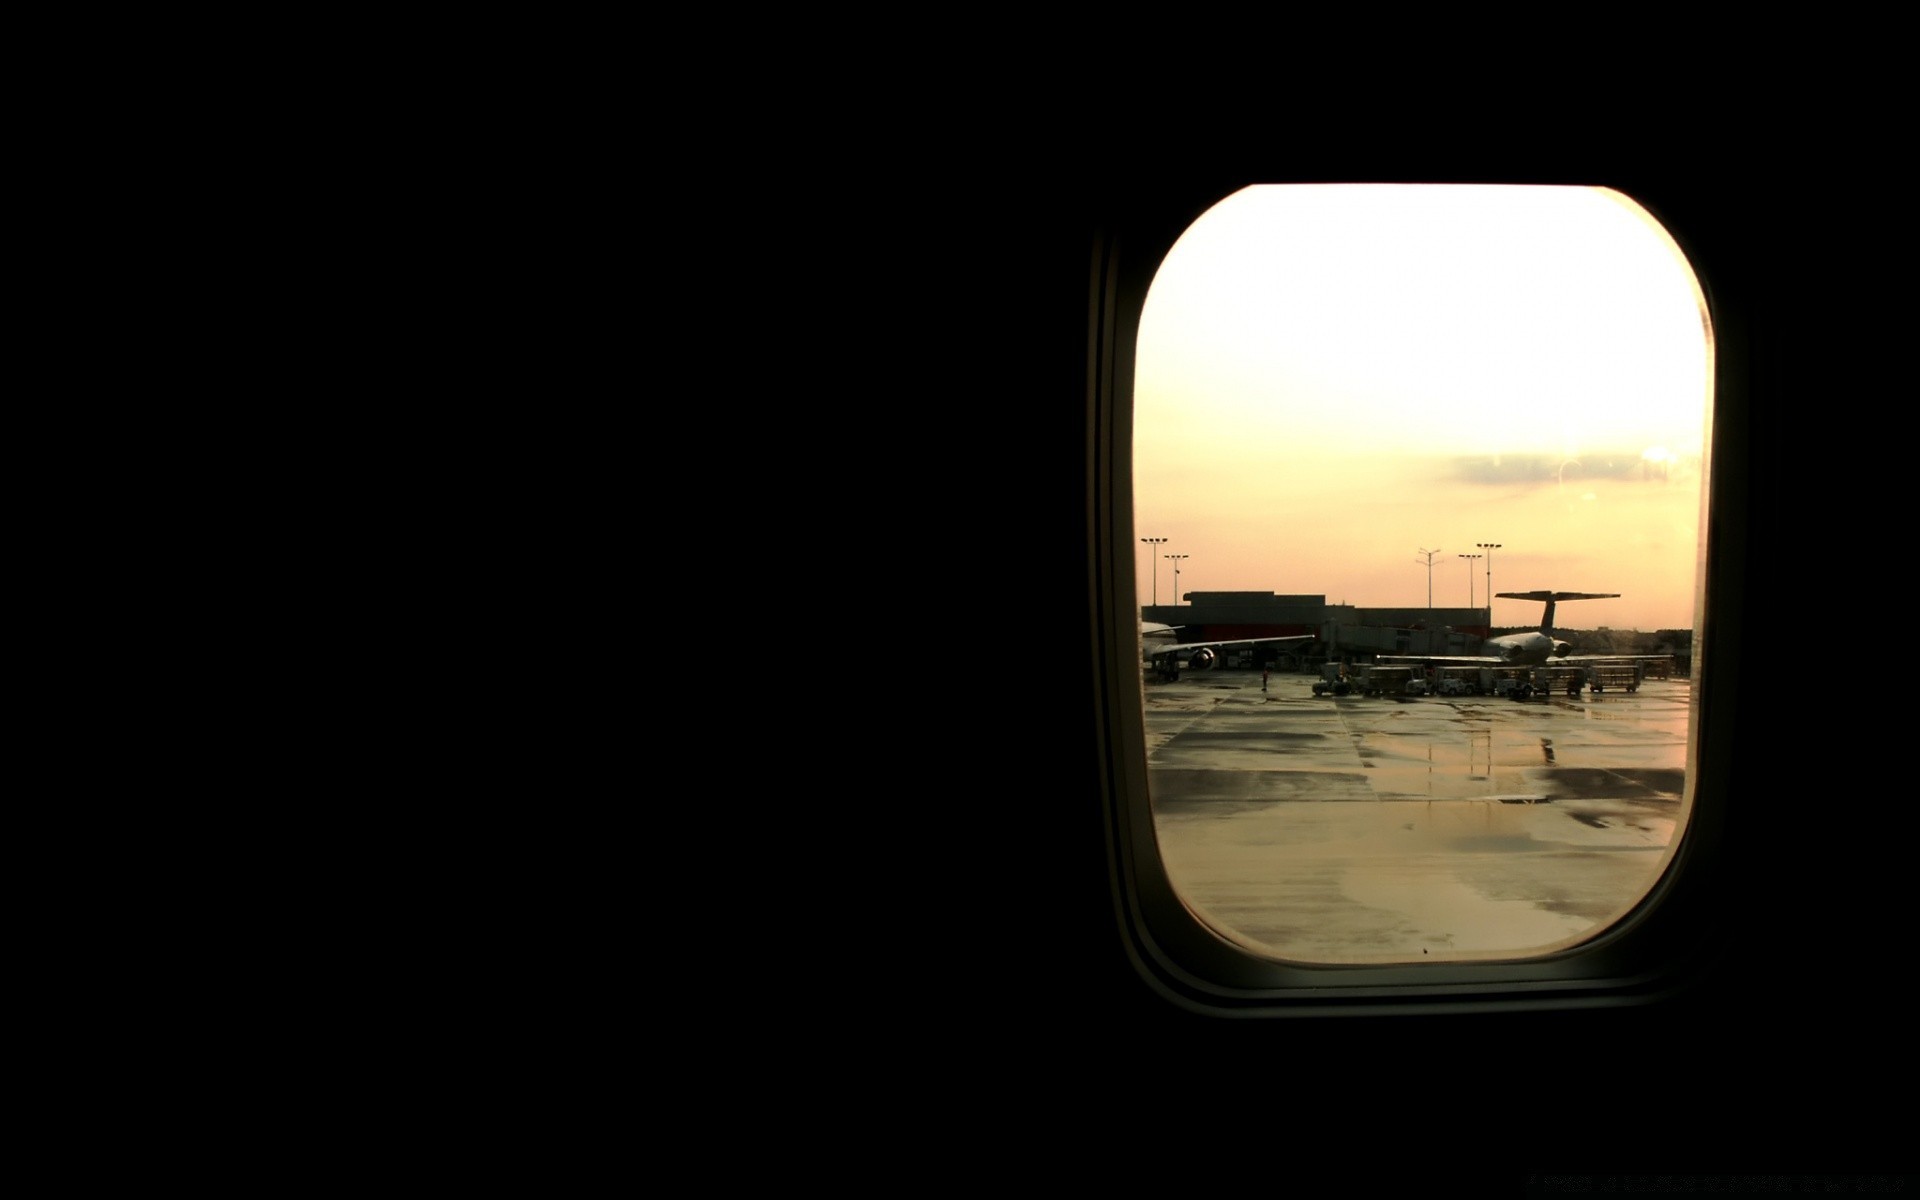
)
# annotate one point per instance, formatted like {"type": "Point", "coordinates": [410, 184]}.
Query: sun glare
{"type": "Point", "coordinates": [1331, 375]}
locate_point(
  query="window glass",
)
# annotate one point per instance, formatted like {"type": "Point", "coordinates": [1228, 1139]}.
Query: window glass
{"type": "Point", "coordinates": [1419, 422]}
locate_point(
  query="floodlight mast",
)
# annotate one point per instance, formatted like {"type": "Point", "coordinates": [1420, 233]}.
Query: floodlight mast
{"type": "Point", "coordinates": [1155, 564]}
{"type": "Point", "coordinates": [1431, 555]}
{"type": "Point", "coordinates": [1489, 547]}
{"type": "Point", "coordinates": [1469, 578]}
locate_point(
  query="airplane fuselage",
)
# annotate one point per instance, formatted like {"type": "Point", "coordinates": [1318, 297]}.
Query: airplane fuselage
{"type": "Point", "coordinates": [1163, 657]}
{"type": "Point", "coordinates": [1534, 648]}
{"type": "Point", "coordinates": [1528, 649]}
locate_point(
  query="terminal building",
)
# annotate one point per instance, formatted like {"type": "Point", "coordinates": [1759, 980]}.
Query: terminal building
{"type": "Point", "coordinates": [1344, 632]}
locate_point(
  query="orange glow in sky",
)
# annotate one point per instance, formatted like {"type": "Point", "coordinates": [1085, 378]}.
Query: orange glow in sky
{"type": "Point", "coordinates": [1334, 380]}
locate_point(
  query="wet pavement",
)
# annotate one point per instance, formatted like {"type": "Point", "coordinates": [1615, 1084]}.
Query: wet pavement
{"type": "Point", "coordinates": [1345, 829]}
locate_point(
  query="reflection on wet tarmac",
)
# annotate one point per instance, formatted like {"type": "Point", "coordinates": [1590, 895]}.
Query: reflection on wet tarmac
{"type": "Point", "coordinates": [1355, 829]}
{"type": "Point", "coordinates": [1456, 916]}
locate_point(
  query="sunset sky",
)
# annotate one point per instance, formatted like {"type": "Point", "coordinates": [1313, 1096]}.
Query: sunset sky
{"type": "Point", "coordinates": [1334, 379]}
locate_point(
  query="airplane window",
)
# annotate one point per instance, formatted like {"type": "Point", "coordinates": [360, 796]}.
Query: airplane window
{"type": "Point", "coordinates": [1419, 496]}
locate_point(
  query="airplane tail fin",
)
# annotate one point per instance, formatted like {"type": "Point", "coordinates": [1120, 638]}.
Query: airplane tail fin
{"type": "Point", "coordinates": [1546, 619]}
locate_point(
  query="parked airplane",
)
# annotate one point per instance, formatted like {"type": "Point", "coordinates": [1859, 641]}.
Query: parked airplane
{"type": "Point", "coordinates": [1528, 649]}
{"type": "Point", "coordinates": [1161, 655]}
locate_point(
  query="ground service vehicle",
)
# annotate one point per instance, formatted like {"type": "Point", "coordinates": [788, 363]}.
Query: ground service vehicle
{"type": "Point", "coordinates": [1506, 682]}
{"type": "Point", "coordinates": [1564, 680]}
{"type": "Point", "coordinates": [1388, 681]}
{"type": "Point", "coordinates": [1616, 679]}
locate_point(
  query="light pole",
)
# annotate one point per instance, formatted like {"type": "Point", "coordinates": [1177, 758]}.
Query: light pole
{"type": "Point", "coordinates": [1429, 561]}
{"type": "Point", "coordinates": [1155, 564]}
{"type": "Point", "coordinates": [1469, 578]}
{"type": "Point", "coordinates": [1176, 575]}
{"type": "Point", "coordinates": [1489, 547]}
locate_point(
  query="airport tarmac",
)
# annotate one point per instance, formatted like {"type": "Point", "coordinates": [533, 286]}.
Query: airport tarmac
{"type": "Point", "coordinates": [1351, 829]}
